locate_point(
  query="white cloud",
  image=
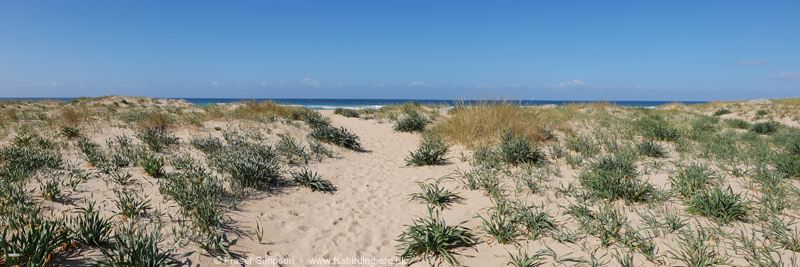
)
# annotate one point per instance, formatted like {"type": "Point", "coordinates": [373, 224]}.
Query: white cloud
{"type": "Point", "coordinates": [577, 82]}
{"type": "Point", "coordinates": [263, 83]}
{"type": "Point", "coordinates": [418, 84]}
{"type": "Point", "coordinates": [308, 82]}
{"type": "Point", "coordinates": [752, 63]}
{"type": "Point", "coordinates": [788, 76]}
{"type": "Point", "coordinates": [214, 83]}
{"type": "Point", "coordinates": [573, 83]}
{"type": "Point", "coordinates": [281, 81]}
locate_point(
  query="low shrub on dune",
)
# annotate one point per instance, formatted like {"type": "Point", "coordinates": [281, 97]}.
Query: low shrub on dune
{"type": "Point", "coordinates": [337, 136]}
{"type": "Point", "coordinates": [768, 127]}
{"type": "Point", "coordinates": [518, 150]}
{"type": "Point", "coordinates": [412, 122]}
{"type": "Point", "coordinates": [350, 113]}
{"type": "Point", "coordinates": [615, 177]}
{"type": "Point", "coordinates": [431, 151]}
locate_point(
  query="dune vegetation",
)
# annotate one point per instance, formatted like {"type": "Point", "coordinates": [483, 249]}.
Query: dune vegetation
{"type": "Point", "coordinates": [151, 182]}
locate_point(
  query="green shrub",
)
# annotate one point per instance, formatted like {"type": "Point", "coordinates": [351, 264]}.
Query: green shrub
{"type": "Point", "coordinates": [793, 145]}
{"type": "Point", "coordinates": [655, 127]}
{"type": "Point", "coordinates": [208, 145]}
{"type": "Point", "coordinates": [121, 178]}
{"type": "Point", "coordinates": [615, 177]}
{"type": "Point", "coordinates": [21, 162]}
{"type": "Point", "coordinates": [122, 152]}
{"type": "Point", "coordinates": [131, 204]}
{"type": "Point", "coordinates": [89, 228]}
{"type": "Point", "coordinates": [134, 246]}
{"type": "Point", "coordinates": [768, 127]}
{"type": "Point", "coordinates": [523, 259]}
{"type": "Point", "coordinates": [431, 151]}
{"type": "Point", "coordinates": [723, 206]}
{"type": "Point", "coordinates": [292, 150]}
{"type": "Point", "coordinates": [152, 164]}
{"type": "Point", "coordinates": [199, 195]}
{"type": "Point", "coordinates": [650, 149]}
{"type": "Point", "coordinates": [704, 124]}
{"type": "Point", "coordinates": [775, 190]}
{"type": "Point", "coordinates": [94, 154]}
{"type": "Point", "coordinates": [251, 165]}
{"type": "Point", "coordinates": [722, 111]}
{"type": "Point", "coordinates": [317, 121]}
{"type": "Point", "coordinates": [788, 164]}
{"type": "Point", "coordinates": [433, 240]}
{"type": "Point", "coordinates": [350, 113]}
{"type": "Point", "coordinates": [762, 112]}
{"type": "Point", "coordinates": [303, 114]}
{"type": "Point", "coordinates": [33, 244]}
{"type": "Point", "coordinates": [535, 222]}
{"type": "Point", "coordinates": [518, 150]}
{"type": "Point", "coordinates": [318, 150]}
{"type": "Point", "coordinates": [584, 145]}
{"type": "Point", "coordinates": [70, 132]}
{"type": "Point", "coordinates": [691, 179]}
{"type": "Point", "coordinates": [412, 122]}
{"type": "Point", "coordinates": [486, 156]}
{"type": "Point", "coordinates": [51, 189]}
{"type": "Point", "coordinates": [313, 181]}
{"type": "Point", "coordinates": [156, 138]}
{"type": "Point", "coordinates": [695, 248]}
{"type": "Point", "coordinates": [337, 136]}
{"type": "Point", "coordinates": [435, 196]}
{"type": "Point", "coordinates": [737, 124]}
{"type": "Point", "coordinates": [500, 224]}
{"type": "Point", "coordinates": [782, 233]}
{"type": "Point", "coordinates": [609, 223]}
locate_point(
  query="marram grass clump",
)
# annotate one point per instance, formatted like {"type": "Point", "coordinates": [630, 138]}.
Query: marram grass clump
{"type": "Point", "coordinates": [475, 124]}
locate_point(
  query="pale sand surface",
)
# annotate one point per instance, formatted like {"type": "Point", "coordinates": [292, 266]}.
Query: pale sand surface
{"type": "Point", "coordinates": [365, 215]}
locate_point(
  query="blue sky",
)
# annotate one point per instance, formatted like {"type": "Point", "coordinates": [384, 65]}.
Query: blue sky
{"type": "Point", "coordinates": [545, 50]}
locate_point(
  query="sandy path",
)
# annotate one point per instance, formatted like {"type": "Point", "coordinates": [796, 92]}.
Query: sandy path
{"type": "Point", "coordinates": [361, 219]}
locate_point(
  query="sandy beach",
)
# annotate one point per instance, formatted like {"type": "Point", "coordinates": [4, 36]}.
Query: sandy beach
{"type": "Point", "coordinates": [361, 222]}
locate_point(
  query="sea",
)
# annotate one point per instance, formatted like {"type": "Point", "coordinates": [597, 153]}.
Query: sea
{"type": "Point", "coordinates": [321, 104]}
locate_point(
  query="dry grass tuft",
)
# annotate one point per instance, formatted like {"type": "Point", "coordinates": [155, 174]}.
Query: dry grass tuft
{"type": "Point", "coordinates": [253, 109]}
{"type": "Point", "coordinates": [8, 115]}
{"type": "Point", "coordinates": [787, 101]}
{"type": "Point", "coordinates": [484, 122]}
{"type": "Point", "coordinates": [156, 119]}
{"type": "Point", "coordinates": [72, 116]}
